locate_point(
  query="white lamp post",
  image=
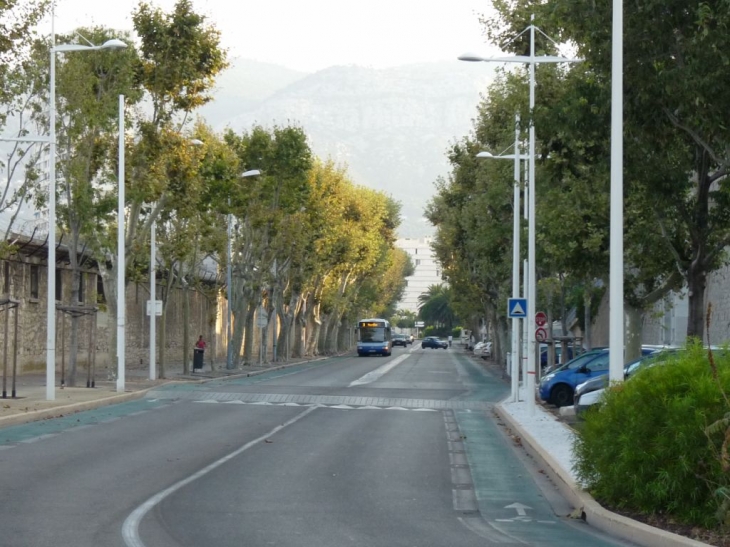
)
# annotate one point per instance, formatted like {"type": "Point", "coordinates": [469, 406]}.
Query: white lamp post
{"type": "Point", "coordinates": [229, 278]}
{"type": "Point", "coordinates": [616, 270]}
{"type": "Point", "coordinates": [51, 298]}
{"type": "Point", "coordinates": [514, 365]}
{"type": "Point", "coordinates": [531, 60]}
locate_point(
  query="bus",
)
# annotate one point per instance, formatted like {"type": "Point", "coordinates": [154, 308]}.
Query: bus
{"type": "Point", "coordinates": [373, 336]}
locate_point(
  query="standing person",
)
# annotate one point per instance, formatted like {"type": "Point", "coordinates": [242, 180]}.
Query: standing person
{"type": "Point", "coordinates": [450, 340]}
{"type": "Point", "coordinates": [200, 344]}
{"type": "Point", "coordinates": [199, 354]}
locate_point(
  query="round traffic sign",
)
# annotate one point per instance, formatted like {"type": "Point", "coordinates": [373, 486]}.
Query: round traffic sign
{"type": "Point", "coordinates": [540, 334]}
{"type": "Point", "coordinates": [540, 319]}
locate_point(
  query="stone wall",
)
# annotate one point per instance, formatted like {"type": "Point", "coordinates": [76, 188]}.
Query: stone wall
{"type": "Point", "coordinates": [205, 319]}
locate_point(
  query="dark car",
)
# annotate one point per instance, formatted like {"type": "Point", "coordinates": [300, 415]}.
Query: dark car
{"type": "Point", "coordinates": [400, 340]}
{"type": "Point", "coordinates": [558, 351]}
{"type": "Point", "coordinates": [433, 342]}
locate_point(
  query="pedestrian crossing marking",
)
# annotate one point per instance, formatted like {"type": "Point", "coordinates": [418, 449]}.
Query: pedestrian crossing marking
{"type": "Point", "coordinates": [517, 308]}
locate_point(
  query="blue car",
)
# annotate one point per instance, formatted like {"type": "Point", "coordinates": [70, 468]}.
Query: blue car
{"type": "Point", "coordinates": [558, 387]}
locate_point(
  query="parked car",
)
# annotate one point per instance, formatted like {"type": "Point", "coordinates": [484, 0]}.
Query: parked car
{"type": "Point", "coordinates": [434, 342]}
{"type": "Point", "coordinates": [400, 340]}
{"type": "Point", "coordinates": [591, 392]}
{"type": "Point", "coordinates": [485, 351]}
{"type": "Point", "coordinates": [558, 351]}
{"type": "Point", "coordinates": [558, 387]}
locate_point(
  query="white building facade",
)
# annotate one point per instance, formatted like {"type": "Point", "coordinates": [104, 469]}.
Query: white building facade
{"type": "Point", "coordinates": [427, 270]}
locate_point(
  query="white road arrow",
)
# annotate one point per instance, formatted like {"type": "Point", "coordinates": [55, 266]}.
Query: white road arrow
{"type": "Point", "coordinates": [519, 507]}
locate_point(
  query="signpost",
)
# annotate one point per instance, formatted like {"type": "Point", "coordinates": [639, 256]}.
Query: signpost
{"type": "Point", "coordinates": [517, 308]}
{"type": "Point", "coordinates": [158, 307]}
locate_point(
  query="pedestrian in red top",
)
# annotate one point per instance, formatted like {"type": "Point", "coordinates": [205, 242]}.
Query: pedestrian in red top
{"type": "Point", "coordinates": [200, 344]}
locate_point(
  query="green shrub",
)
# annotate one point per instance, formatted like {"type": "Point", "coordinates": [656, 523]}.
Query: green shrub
{"type": "Point", "coordinates": [648, 449]}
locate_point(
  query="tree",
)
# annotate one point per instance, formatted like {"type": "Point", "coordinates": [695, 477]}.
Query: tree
{"type": "Point", "coordinates": [179, 58]}
{"type": "Point", "coordinates": [20, 84]}
{"type": "Point", "coordinates": [675, 70]}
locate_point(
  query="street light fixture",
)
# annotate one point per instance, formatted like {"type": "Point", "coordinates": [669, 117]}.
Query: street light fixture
{"type": "Point", "coordinates": [51, 297]}
{"type": "Point", "coordinates": [531, 60]}
{"type": "Point", "coordinates": [514, 365]}
{"type": "Point", "coordinates": [229, 278]}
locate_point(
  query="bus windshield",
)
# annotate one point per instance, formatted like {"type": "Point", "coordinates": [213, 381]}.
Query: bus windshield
{"type": "Point", "coordinates": [372, 334]}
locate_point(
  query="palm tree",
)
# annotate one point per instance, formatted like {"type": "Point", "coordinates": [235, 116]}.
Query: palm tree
{"type": "Point", "coordinates": [435, 306]}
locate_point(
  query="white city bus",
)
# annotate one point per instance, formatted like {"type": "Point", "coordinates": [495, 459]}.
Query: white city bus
{"type": "Point", "coordinates": [374, 337]}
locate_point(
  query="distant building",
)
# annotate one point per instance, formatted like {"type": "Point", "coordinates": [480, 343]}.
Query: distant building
{"type": "Point", "coordinates": [427, 270]}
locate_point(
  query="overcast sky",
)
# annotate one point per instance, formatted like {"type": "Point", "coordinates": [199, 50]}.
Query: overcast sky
{"type": "Point", "coordinates": [310, 35]}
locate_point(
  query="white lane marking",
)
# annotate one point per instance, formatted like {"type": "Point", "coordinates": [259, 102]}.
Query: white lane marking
{"type": "Point", "coordinates": [130, 528]}
{"type": "Point", "coordinates": [207, 401]}
{"type": "Point", "coordinates": [378, 372]}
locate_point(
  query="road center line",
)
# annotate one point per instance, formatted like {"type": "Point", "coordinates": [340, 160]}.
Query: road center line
{"type": "Point", "coordinates": [130, 528]}
{"type": "Point", "coordinates": [378, 372]}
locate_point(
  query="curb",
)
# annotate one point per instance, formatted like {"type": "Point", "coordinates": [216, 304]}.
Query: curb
{"type": "Point", "coordinates": [58, 411]}
{"type": "Point", "coordinates": [591, 511]}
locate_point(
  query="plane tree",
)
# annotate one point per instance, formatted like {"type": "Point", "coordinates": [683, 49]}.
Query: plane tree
{"type": "Point", "coordinates": [676, 136]}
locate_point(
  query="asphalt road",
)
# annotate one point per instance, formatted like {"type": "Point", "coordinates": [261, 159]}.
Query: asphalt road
{"type": "Point", "coordinates": [398, 451]}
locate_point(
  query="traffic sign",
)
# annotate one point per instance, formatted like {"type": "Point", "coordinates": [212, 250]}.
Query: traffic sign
{"type": "Point", "coordinates": [540, 319]}
{"type": "Point", "coordinates": [420, 324]}
{"type": "Point", "coordinates": [540, 334]}
{"type": "Point", "coordinates": [157, 306]}
{"type": "Point", "coordinates": [262, 318]}
{"type": "Point", "coordinates": [517, 308]}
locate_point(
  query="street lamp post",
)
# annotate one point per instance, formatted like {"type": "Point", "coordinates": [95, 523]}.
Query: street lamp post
{"type": "Point", "coordinates": [531, 60]}
{"type": "Point", "coordinates": [229, 278]}
{"type": "Point", "coordinates": [616, 270]}
{"type": "Point", "coordinates": [51, 297]}
{"type": "Point", "coordinates": [514, 365]}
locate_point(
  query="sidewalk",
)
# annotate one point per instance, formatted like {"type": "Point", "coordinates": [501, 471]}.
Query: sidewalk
{"type": "Point", "coordinates": [30, 403]}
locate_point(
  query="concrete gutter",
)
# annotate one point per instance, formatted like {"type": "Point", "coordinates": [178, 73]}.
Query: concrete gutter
{"type": "Point", "coordinates": [591, 511]}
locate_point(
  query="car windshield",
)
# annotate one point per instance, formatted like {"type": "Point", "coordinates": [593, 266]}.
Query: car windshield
{"type": "Point", "coordinates": [579, 361]}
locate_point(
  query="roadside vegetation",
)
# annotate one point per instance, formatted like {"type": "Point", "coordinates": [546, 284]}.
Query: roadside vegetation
{"type": "Point", "coordinates": [660, 443]}
{"type": "Point", "coordinates": [308, 245]}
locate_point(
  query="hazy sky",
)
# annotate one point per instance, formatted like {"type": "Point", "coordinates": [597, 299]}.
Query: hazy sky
{"type": "Point", "coordinates": [310, 35]}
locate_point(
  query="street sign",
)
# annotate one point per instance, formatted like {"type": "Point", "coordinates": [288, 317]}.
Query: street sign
{"type": "Point", "coordinates": [262, 318]}
{"type": "Point", "coordinates": [517, 308]}
{"type": "Point", "coordinates": [540, 319]}
{"type": "Point", "coordinates": [158, 307]}
{"type": "Point", "coordinates": [420, 324]}
{"type": "Point", "coordinates": [541, 334]}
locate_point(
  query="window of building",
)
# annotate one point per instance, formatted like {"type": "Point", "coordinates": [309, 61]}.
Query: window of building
{"type": "Point", "coordinates": [418, 262]}
{"type": "Point", "coordinates": [59, 284]}
{"type": "Point", "coordinates": [81, 287]}
{"type": "Point", "coordinates": [100, 297]}
{"type": "Point", "coordinates": [34, 280]}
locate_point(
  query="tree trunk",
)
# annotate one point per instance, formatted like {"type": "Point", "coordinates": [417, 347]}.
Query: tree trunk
{"type": "Point", "coordinates": [248, 338]}
{"type": "Point", "coordinates": [696, 285]}
{"type": "Point", "coordinates": [300, 327]}
{"type": "Point", "coordinates": [634, 328]}
{"type": "Point", "coordinates": [163, 321]}
{"type": "Point", "coordinates": [186, 323]}
{"type": "Point", "coordinates": [108, 278]}
{"type": "Point", "coordinates": [587, 317]}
